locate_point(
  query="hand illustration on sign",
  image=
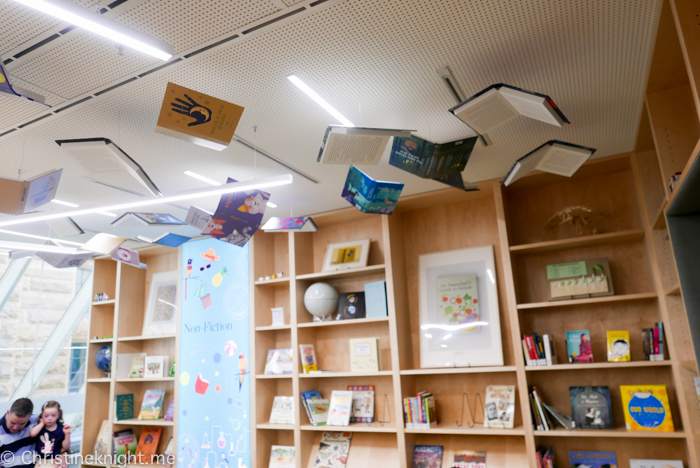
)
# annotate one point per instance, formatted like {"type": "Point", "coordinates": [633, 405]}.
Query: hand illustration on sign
{"type": "Point", "coordinates": [198, 112]}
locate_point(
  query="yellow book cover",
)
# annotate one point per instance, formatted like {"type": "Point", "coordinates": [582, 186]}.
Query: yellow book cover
{"type": "Point", "coordinates": [619, 346]}
{"type": "Point", "coordinates": [308, 358]}
{"type": "Point", "coordinates": [137, 367]}
{"type": "Point", "coordinates": [364, 355]}
{"type": "Point", "coordinates": [646, 408]}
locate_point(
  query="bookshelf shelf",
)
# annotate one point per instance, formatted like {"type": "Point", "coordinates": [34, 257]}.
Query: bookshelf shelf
{"type": "Point", "coordinates": [659, 219]}
{"type": "Point", "coordinates": [99, 303]}
{"type": "Point", "coordinates": [459, 370]}
{"type": "Point", "coordinates": [146, 379]}
{"type": "Point", "coordinates": [341, 323]}
{"type": "Point", "coordinates": [620, 432]}
{"type": "Point", "coordinates": [349, 273]}
{"type": "Point", "coordinates": [273, 328]}
{"type": "Point", "coordinates": [101, 340]}
{"type": "Point", "coordinates": [674, 290]}
{"type": "Point", "coordinates": [599, 365]}
{"type": "Point", "coordinates": [353, 427]}
{"type": "Point", "coordinates": [273, 376]}
{"type": "Point", "coordinates": [478, 429]}
{"type": "Point", "coordinates": [147, 337]}
{"type": "Point", "coordinates": [143, 422]}
{"type": "Point", "coordinates": [102, 380]}
{"type": "Point", "coordinates": [327, 375]}
{"type": "Point", "coordinates": [278, 427]}
{"type": "Point", "coordinates": [277, 282]}
{"type": "Point", "coordinates": [584, 241]}
{"type": "Point", "coordinates": [593, 300]}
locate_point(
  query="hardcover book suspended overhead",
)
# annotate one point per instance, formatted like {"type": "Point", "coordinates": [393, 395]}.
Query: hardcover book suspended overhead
{"type": "Point", "coordinates": [238, 216]}
{"type": "Point", "coordinates": [431, 160]}
{"type": "Point", "coordinates": [298, 224]}
{"type": "Point", "coordinates": [64, 260]}
{"type": "Point", "coordinates": [500, 103]}
{"type": "Point", "coordinates": [103, 243]}
{"type": "Point", "coordinates": [22, 196]}
{"type": "Point", "coordinates": [369, 195]}
{"type": "Point", "coordinates": [101, 156]}
{"type": "Point", "coordinates": [17, 92]}
{"type": "Point", "coordinates": [356, 145]}
{"type": "Point", "coordinates": [64, 227]}
{"type": "Point", "coordinates": [556, 157]}
{"type": "Point", "coordinates": [131, 219]}
{"type": "Point", "coordinates": [456, 181]}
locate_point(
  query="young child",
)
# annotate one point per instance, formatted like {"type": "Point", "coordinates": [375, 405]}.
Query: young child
{"type": "Point", "coordinates": [54, 437]}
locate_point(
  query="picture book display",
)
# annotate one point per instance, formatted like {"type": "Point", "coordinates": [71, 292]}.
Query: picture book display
{"type": "Point", "coordinates": [499, 406]}
{"type": "Point", "coordinates": [579, 280]}
{"type": "Point", "coordinates": [364, 355]}
{"type": "Point", "coordinates": [124, 406]}
{"type": "Point", "coordinates": [556, 157]}
{"type": "Point", "coordinates": [430, 160]}
{"type": "Point", "coordinates": [125, 445]}
{"type": "Point", "coordinates": [340, 408]}
{"type": "Point", "coordinates": [469, 459]}
{"type": "Point", "coordinates": [619, 346]}
{"type": "Point", "coordinates": [308, 358]}
{"type": "Point", "coordinates": [500, 103]}
{"type": "Point", "coordinates": [592, 460]}
{"type": "Point", "coordinates": [238, 216]}
{"type": "Point", "coordinates": [646, 408]}
{"type": "Point", "coordinates": [333, 450]}
{"type": "Point", "coordinates": [155, 366]}
{"type": "Point", "coordinates": [152, 404]}
{"type": "Point", "coordinates": [298, 224]}
{"type": "Point", "coordinates": [369, 195]}
{"type": "Point", "coordinates": [427, 456]}
{"type": "Point", "coordinates": [591, 407]}
{"type": "Point", "coordinates": [362, 403]}
{"type": "Point", "coordinates": [578, 346]}
{"type": "Point", "coordinates": [282, 456]}
{"type": "Point", "coordinates": [19, 197]}
{"type": "Point", "coordinates": [346, 255]}
{"type": "Point", "coordinates": [137, 367]}
{"type": "Point", "coordinates": [279, 361]}
{"type": "Point", "coordinates": [132, 219]}
{"type": "Point", "coordinates": [103, 442]}
{"type": "Point", "coordinates": [375, 300]}
{"type": "Point", "coordinates": [282, 410]}
{"type": "Point", "coordinates": [315, 406]}
{"type": "Point", "coordinates": [170, 412]}
{"type": "Point", "coordinates": [356, 145]}
{"type": "Point", "coordinates": [656, 464]}
{"type": "Point", "coordinates": [148, 444]}
{"type": "Point", "coordinates": [351, 306]}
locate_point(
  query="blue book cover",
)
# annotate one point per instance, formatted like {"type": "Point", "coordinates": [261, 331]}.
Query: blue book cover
{"type": "Point", "coordinates": [592, 460]}
{"type": "Point", "coordinates": [172, 240]}
{"type": "Point", "coordinates": [369, 195]}
{"type": "Point", "coordinates": [375, 299]}
{"type": "Point", "coordinates": [238, 216]}
{"type": "Point", "coordinates": [429, 160]}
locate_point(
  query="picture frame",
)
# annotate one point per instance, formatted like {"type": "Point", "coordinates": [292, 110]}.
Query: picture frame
{"type": "Point", "coordinates": [345, 255]}
{"type": "Point", "coordinates": [161, 310]}
{"type": "Point", "coordinates": [458, 309]}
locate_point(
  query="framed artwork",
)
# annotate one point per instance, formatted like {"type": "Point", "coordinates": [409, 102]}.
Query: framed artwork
{"type": "Point", "coordinates": [459, 317]}
{"type": "Point", "coordinates": [352, 254]}
{"type": "Point", "coordinates": [162, 304]}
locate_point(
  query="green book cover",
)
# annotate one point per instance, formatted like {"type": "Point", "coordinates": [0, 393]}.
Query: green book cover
{"type": "Point", "coordinates": [124, 407]}
{"type": "Point", "coordinates": [125, 445]}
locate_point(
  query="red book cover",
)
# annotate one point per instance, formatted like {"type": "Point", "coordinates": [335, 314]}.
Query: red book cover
{"type": "Point", "coordinates": [656, 341]}
{"type": "Point", "coordinates": [531, 347]}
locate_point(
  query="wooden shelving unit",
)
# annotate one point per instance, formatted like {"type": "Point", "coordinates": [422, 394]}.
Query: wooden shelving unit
{"type": "Point", "coordinates": [122, 317]}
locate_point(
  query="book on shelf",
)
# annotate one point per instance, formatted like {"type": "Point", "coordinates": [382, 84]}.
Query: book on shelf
{"type": "Point", "coordinates": [103, 442]}
{"type": "Point", "coordinates": [282, 456]}
{"type": "Point", "coordinates": [375, 299]}
{"type": "Point", "coordinates": [619, 346]}
{"type": "Point", "coordinates": [170, 412]}
{"type": "Point", "coordinates": [339, 408]}
{"type": "Point", "coordinates": [420, 412]}
{"type": "Point", "coordinates": [578, 346]}
{"type": "Point", "coordinates": [591, 407]}
{"type": "Point", "coordinates": [469, 459]}
{"type": "Point", "coordinates": [499, 406]}
{"type": "Point", "coordinates": [132, 219]}
{"type": "Point", "coordinates": [356, 145]}
{"type": "Point", "coordinates": [169, 453]}
{"type": "Point", "coordinates": [64, 227]}
{"type": "Point", "coordinates": [351, 306]}
{"type": "Point", "coordinates": [369, 195]}
{"type": "Point", "coordinates": [24, 196]}
{"type": "Point", "coordinates": [430, 160]}
{"type": "Point", "coordinates": [499, 103]}
{"type": "Point", "coordinates": [539, 350]}
{"type": "Point", "coordinates": [362, 403]}
{"type": "Point", "coordinates": [653, 342]}
{"type": "Point", "coordinates": [318, 410]}
{"type": "Point", "coordinates": [125, 445]}
{"type": "Point", "coordinates": [282, 411]}
{"type": "Point", "coordinates": [137, 367]}
{"type": "Point", "coordinates": [592, 459]}
{"type": "Point", "coordinates": [540, 419]}
{"type": "Point", "coordinates": [333, 450]}
{"type": "Point", "coordinates": [148, 444]}
{"type": "Point", "coordinates": [307, 397]}
{"type": "Point", "coordinates": [364, 354]}
{"type": "Point", "coordinates": [656, 463]}
{"type": "Point", "coordinates": [556, 157]}
{"type": "Point", "coordinates": [297, 224]}
{"type": "Point", "coordinates": [560, 416]}
{"type": "Point", "coordinates": [197, 217]}
{"type": "Point", "coordinates": [152, 404]}
{"type": "Point", "coordinates": [646, 408]}
{"type": "Point", "coordinates": [167, 239]}
{"type": "Point", "coordinates": [124, 406]}
{"type": "Point", "coordinates": [121, 364]}
{"type": "Point", "coordinates": [425, 456]}
{"type": "Point", "coordinates": [545, 457]}
{"type": "Point", "coordinates": [308, 358]}
{"type": "Point", "coordinates": [155, 366]}
{"type": "Point", "coordinates": [279, 361]}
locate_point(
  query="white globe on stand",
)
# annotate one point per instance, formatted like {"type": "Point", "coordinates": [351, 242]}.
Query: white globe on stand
{"type": "Point", "coordinates": [321, 300]}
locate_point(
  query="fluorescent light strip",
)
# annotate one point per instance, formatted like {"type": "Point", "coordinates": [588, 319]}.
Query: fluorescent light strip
{"type": "Point", "coordinates": [319, 100]}
{"type": "Point", "coordinates": [37, 247]}
{"type": "Point", "coordinates": [185, 195]}
{"type": "Point", "coordinates": [202, 178]}
{"type": "Point", "coordinates": [271, 205]}
{"type": "Point", "coordinates": [65, 203]}
{"type": "Point", "coordinates": [32, 236]}
{"type": "Point", "coordinates": [105, 27]}
{"type": "Point", "coordinates": [107, 213]}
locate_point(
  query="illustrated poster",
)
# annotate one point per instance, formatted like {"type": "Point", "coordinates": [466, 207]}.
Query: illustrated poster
{"type": "Point", "coordinates": [213, 367]}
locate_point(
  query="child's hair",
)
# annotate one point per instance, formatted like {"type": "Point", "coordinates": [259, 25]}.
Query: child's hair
{"type": "Point", "coordinates": [54, 404]}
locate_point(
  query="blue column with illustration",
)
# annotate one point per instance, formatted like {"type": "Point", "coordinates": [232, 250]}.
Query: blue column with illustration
{"type": "Point", "coordinates": [214, 373]}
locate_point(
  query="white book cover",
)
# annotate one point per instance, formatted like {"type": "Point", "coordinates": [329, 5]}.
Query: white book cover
{"type": "Point", "coordinates": [656, 464]}
{"type": "Point", "coordinates": [282, 410]}
{"type": "Point", "coordinates": [279, 361]}
{"type": "Point", "coordinates": [64, 227]}
{"type": "Point", "coordinates": [282, 456]}
{"type": "Point", "coordinates": [555, 157]}
{"type": "Point", "coordinates": [155, 366]}
{"type": "Point", "coordinates": [499, 406]}
{"type": "Point", "coordinates": [356, 145]}
{"type": "Point", "coordinates": [197, 217]}
{"type": "Point", "coordinates": [340, 408]}
{"type": "Point", "coordinates": [103, 243]}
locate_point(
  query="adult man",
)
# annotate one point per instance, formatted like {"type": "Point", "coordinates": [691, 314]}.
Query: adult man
{"type": "Point", "coordinates": [17, 447]}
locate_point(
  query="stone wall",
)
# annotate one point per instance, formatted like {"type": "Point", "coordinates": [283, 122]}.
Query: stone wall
{"type": "Point", "coordinates": [26, 323]}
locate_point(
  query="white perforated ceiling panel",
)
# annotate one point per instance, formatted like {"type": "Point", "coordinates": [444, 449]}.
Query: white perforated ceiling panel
{"type": "Point", "coordinates": [375, 61]}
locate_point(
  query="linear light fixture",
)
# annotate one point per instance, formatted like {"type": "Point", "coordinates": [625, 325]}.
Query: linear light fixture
{"type": "Point", "coordinates": [65, 203]}
{"type": "Point", "coordinates": [107, 213]}
{"type": "Point", "coordinates": [271, 205]}
{"type": "Point", "coordinates": [202, 178]}
{"type": "Point", "coordinates": [184, 195]}
{"type": "Point", "coordinates": [37, 247]}
{"type": "Point", "coordinates": [105, 27]}
{"type": "Point", "coordinates": [319, 100]}
{"type": "Point", "coordinates": [32, 236]}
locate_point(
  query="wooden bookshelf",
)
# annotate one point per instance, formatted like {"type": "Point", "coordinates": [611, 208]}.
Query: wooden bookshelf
{"type": "Point", "coordinates": [122, 317]}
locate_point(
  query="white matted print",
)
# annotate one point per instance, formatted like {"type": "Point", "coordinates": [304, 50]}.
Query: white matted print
{"type": "Point", "coordinates": [161, 313]}
{"type": "Point", "coordinates": [344, 255]}
{"type": "Point", "coordinates": [459, 317]}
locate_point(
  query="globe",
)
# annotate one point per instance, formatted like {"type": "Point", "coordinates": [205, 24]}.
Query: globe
{"type": "Point", "coordinates": [103, 359]}
{"type": "Point", "coordinates": [321, 299]}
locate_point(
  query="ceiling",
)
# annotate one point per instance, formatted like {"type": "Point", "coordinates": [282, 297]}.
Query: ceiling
{"type": "Point", "coordinates": [373, 60]}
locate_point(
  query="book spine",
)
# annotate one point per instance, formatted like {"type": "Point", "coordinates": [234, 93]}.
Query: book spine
{"type": "Point", "coordinates": [656, 343]}
{"type": "Point", "coordinates": [537, 420]}
{"type": "Point", "coordinates": [539, 407]}
{"type": "Point", "coordinates": [531, 349]}
{"type": "Point", "coordinates": [547, 350]}
{"type": "Point", "coordinates": [647, 344]}
{"type": "Point", "coordinates": [526, 355]}
{"type": "Point", "coordinates": [660, 326]}
{"type": "Point", "coordinates": [540, 350]}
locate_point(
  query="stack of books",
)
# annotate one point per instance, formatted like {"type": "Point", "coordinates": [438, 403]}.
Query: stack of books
{"type": "Point", "coordinates": [420, 411]}
{"type": "Point", "coordinates": [539, 350]}
{"type": "Point", "coordinates": [545, 457]}
{"type": "Point", "coordinates": [653, 340]}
